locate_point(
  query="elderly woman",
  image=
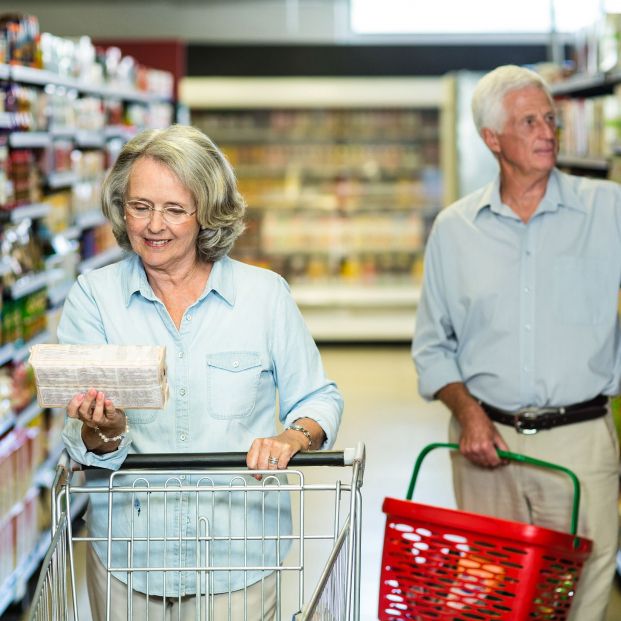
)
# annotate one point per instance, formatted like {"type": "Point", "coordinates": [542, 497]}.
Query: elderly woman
{"type": "Point", "coordinates": [234, 340]}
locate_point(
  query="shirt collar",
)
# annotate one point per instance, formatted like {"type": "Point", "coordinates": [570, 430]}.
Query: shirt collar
{"type": "Point", "coordinates": [221, 280]}
{"type": "Point", "coordinates": [559, 193]}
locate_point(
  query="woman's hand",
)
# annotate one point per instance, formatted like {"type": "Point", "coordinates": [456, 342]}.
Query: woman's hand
{"type": "Point", "coordinates": [275, 453]}
{"type": "Point", "coordinates": [98, 416]}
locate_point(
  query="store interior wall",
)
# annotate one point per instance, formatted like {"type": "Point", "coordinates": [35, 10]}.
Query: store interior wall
{"type": "Point", "coordinates": [275, 37]}
{"type": "Point", "coordinates": [299, 21]}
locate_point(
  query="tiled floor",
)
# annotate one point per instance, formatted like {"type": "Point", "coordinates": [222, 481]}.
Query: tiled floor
{"type": "Point", "coordinates": [384, 410]}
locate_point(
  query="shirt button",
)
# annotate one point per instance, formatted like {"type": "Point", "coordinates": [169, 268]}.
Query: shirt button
{"type": "Point", "coordinates": [526, 290]}
{"type": "Point", "coordinates": [527, 327]}
{"type": "Point", "coordinates": [235, 363]}
{"type": "Point", "coordinates": [188, 317]}
{"type": "Point", "coordinates": [182, 392]}
{"type": "Point", "coordinates": [182, 437]}
{"type": "Point", "coordinates": [525, 369]}
{"type": "Point", "coordinates": [180, 354]}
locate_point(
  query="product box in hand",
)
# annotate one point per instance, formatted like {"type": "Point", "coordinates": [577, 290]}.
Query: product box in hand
{"type": "Point", "coordinates": [132, 376]}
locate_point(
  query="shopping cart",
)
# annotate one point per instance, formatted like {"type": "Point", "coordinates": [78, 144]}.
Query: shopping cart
{"type": "Point", "coordinates": [318, 579]}
{"type": "Point", "coordinates": [444, 564]}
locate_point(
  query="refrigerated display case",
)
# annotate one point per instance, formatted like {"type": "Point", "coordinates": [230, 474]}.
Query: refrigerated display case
{"type": "Point", "coordinates": [342, 179]}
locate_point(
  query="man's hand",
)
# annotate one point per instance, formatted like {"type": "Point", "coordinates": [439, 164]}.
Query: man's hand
{"type": "Point", "coordinates": [479, 437]}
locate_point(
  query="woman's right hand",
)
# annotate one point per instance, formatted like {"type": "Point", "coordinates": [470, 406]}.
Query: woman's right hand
{"type": "Point", "coordinates": [99, 418]}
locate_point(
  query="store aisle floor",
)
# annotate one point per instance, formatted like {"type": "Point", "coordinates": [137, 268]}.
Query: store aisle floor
{"type": "Point", "coordinates": [384, 410]}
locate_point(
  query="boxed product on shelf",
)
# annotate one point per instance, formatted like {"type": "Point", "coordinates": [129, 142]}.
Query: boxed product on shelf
{"type": "Point", "coordinates": [20, 36]}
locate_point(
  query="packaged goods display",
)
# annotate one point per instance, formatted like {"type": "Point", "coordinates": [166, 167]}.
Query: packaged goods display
{"type": "Point", "coordinates": [132, 376]}
{"type": "Point", "coordinates": [333, 194]}
{"type": "Point", "coordinates": [66, 109]}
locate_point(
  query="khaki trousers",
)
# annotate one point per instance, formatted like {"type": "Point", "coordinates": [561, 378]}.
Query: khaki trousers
{"type": "Point", "coordinates": [543, 497]}
{"type": "Point", "coordinates": [257, 603]}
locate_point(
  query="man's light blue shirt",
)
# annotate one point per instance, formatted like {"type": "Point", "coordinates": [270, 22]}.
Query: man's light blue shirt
{"type": "Point", "coordinates": [241, 348]}
{"type": "Point", "coordinates": [525, 314]}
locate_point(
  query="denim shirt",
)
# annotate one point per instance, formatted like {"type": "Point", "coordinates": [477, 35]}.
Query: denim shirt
{"type": "Point", "coordinates": [525, 314]}
{"type": "Point", "coordinates": [241, 349]}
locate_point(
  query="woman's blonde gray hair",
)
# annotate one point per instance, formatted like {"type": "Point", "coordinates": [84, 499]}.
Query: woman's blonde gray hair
{"type": "Point", "coordinates": [202, 169]}
{"type": "Point", "coordinates": [488, 109]}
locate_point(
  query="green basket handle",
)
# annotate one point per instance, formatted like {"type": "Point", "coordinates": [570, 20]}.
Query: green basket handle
{"type": "Point", "coordinates": [505, 455]}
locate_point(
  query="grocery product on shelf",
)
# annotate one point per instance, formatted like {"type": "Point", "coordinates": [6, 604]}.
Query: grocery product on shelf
{"type": "Point", "coordinates": [66, 108]}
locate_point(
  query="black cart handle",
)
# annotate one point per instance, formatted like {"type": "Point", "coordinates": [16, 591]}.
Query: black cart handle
{"type": "Point", "coordinates": [191, 461]}
{"type": "Point", "coordinates": [505, 455]}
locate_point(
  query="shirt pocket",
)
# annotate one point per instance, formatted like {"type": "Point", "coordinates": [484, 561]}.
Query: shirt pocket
{"type": "Point", "coordinates": [582, 290]}
{"type": "Point", "coordinates": [232, 383]}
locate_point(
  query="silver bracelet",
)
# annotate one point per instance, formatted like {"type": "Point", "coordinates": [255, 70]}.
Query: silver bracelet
{"type": "Point", "coordinates": [303, 430]}
{"type": "Point", "coordinates": [106, 439]}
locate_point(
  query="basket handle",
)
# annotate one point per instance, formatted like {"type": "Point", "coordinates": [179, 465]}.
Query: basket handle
{"type": "Point", "coordinates": [505, 455]}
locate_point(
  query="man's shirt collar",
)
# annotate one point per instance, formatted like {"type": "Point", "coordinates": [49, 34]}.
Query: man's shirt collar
{"type": "Point", "coordinates": [559, 193]}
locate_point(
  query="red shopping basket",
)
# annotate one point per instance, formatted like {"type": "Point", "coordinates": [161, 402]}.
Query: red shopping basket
{"type": "Point", "coordinates": [442, 564]}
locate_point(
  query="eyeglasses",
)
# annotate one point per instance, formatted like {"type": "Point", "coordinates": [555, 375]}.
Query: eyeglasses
{"type": "Point", "coordinates": [172, 214]}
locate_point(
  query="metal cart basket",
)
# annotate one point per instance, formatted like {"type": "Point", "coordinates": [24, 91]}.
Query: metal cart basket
{"type": "Point", "coordinates": [441, 564]}
{"type": "Point", "coordinates": [307, 565]}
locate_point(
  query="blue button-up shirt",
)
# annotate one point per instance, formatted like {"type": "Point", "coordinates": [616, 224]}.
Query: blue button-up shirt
{"type": "Point", "coordinates": [525, 314]}
{"type": "Point", "coordinates": [241, 346]}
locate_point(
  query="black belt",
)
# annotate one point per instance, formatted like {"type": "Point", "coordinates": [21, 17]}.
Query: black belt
{"type": "Point", "coordinates": [532, 419]}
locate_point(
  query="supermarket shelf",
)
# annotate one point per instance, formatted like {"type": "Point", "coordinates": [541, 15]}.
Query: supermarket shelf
{"type": "Point", "coordinates": [27, 414]}
{"type": "Point", "coordinates": [32, 211]}
{"type": "Point", "coordinates": [585, 163]}
{"type": "Point", "coordinates": [30, 75]}
{"type": "Point", "coordinates": [99, 260]}
{"type": "Point", "coordinates": [21, 353]}
{"type": "Point", "coordinates": [351, 325]}
{"type": "Point", "coordinates": [585, 85]}
{"type": "Point", "coordinates": [360, 296]}
{"type": "Point", "coordinates": [30, 140]}
{"type": "Point", "coordinates": [28, 284]}
{"type": "Point", "coordinates": [6, 353]}
{"type": "Point", "coordinates": [6, 120]}
{"type": "Point", "coordinates": [89, 219]}
{"type": "Point", "coordinates": [347, 313]}
{"type": "Point", "coordinates": [14, 587]}
{"type": "Point", "coordinates": [62, 179]}
{"type": "Point", "coordinates": [90, 139]}
{"type": "Point", "coordinates": [5, 71]}
{"type": "Point", "coordinates": [7, 423]}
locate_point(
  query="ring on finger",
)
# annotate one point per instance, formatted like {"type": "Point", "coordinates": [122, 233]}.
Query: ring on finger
{"type": "Point", "coordinates": [272, 460]}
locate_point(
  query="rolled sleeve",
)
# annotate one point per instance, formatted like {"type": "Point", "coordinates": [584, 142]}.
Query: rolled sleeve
{"type": "Point", "coordinates": [434, 347]}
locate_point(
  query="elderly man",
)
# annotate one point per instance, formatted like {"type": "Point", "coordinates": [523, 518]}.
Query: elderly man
{"type": "Point", "coordinates": [517, 331]}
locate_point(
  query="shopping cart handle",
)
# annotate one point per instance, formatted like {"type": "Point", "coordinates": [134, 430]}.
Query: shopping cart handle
{"type": "Point", "coordinates": [505, 455]}
{"type": "Point", "coordinates": [156, 461]}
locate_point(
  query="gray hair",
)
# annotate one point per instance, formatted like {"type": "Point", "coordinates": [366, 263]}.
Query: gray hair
{"type": "Point", "coordinates": [488, 109]}
{"type": "Point", "coordinates": [204, 171]}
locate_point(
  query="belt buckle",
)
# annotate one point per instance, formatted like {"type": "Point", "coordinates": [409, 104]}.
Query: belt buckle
{"type": "Point", "coordinates": [525, 416]}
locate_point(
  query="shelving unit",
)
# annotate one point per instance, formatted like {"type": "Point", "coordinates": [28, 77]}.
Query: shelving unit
{"type": "Point", "coordinates": [579, 89]}
{"type": "Point", "coordinates": [590, 115]}
{"type": "Point", "coordinates": [342, 179]}
{"type": "Point", "coordinates": [76, 231]}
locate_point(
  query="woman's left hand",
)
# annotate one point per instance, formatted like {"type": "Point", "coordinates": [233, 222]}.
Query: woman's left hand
{"type": "Point", "coordinates": [275, 453]}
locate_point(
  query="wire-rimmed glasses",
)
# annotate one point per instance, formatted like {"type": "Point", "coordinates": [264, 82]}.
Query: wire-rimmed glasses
{"type": "Point", "coordinates": [172, 214]}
